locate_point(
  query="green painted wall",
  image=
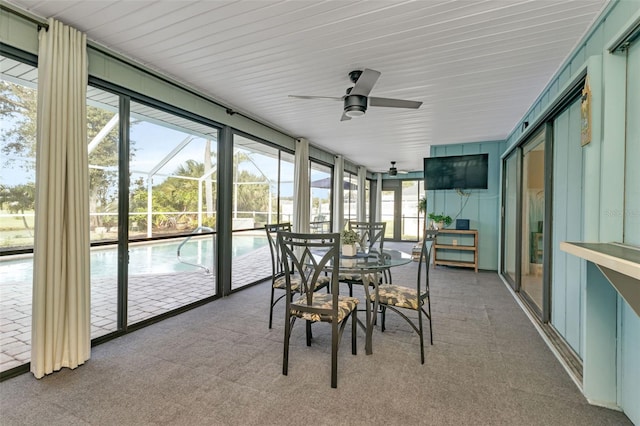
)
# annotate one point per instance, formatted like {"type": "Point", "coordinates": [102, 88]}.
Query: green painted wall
{"type": "Point", "coordinates": [481, 207]}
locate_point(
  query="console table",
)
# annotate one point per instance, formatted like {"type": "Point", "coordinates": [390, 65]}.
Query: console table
{"type": "Point", "coordinates": [456, 240]}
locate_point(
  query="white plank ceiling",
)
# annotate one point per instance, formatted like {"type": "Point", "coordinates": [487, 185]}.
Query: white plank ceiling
{"type": "Point", "coordinates": [476, 65]}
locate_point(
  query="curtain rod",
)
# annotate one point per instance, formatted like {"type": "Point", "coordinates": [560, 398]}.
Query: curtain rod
{"type": "Point", "coordinates": [27, 17]}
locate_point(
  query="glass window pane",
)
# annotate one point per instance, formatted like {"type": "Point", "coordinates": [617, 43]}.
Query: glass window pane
{"type": "Point", "coordinates": [509, 197]}
{"type": "Point", "coordinates": [102, 146]}
{"type": "Point", "coordinates": [410, 220]}
{"type": "Point", "coordinates": [532, 218]}
{"type": "Point", "coordinates": [172, 193]}
{"type": "Point", "coordinates": [18, 84]}
{"type": "Point", "coordinates": [350, 197]}
{"type": "Point", "coordinates": [321, 182]}
{"type": "Point", "coordinates": [251, 258]}
{"type": "Point", "coordinates": [256, 167]}
{"type": "Point", "coordinates": [287, 165]}
{"type": "Point", "coordinates": [255, 183]}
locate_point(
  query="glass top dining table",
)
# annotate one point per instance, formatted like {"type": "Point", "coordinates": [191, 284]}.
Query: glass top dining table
{"type": "Point", "coordinates": [369, 264]}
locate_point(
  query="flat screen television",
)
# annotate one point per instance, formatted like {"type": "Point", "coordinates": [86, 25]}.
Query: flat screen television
{"type": "Point", "coordinates": [457, 172]}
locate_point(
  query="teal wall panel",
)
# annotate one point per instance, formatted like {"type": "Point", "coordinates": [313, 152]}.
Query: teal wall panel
{"type": "Point", "coordinates": [481, 207]}
{"type": "Point", "coordinates": [596, 198]}
{"type": "Point", "coordinates": [630, 367]}
{"type": "Point", "coordinates": [632, 177]}
{"type": "Point", "coordinates": [568, 274]}
{"type": "Point", "coordinates": [630, 327]}
{"type": "Point", "coordinates": [560, 189]}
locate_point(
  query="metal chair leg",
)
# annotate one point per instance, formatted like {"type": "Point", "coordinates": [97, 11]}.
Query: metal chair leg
{"type": "Point", "coordinates": [421, 336]}
{"type": "Point", "coordinates": [430, 325]}
{"type": "Point", "coordinates": [354, 328]}
{"type": "Point", "coordinates": [334, 354]}
{"type": "Point", "coordinates": [308, 333]}
{"type": "Point", "coordinates": [287, 334]}
{"type": "Point", "coordinates": [271, 308]}
{"type": "Point", "coordinates": [384, 316]}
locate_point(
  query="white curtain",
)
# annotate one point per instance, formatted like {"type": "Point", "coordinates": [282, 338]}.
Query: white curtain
{"type": "Point", "coordinates": [61, 322]}
{"type": "Point", "coordinates": [338, 194]}
{"type": "Point", "coordinates": [301, 188]}
{"type": "Point", "coordinates": [362, 194]}
{"type": "Point", "coordinates": [379, 198]}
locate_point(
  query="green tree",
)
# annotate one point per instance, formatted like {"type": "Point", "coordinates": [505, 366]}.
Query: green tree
{"type": "Point", "coordinates": [18, 199]}
{"type": "Point", "coordinates": [18, 132]}
{"type": "Point", "coordinates": [18, 109]}
{"type": "Point", "coordinates": [253, 196]}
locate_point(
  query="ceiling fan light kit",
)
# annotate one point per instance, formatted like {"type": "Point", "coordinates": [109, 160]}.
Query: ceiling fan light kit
{"type": "Point", "coordinates": [357, 97]}
{"type": "Point", "coordinates": [355, 105]}
{"type": "Point", "coordinates": [393, 171]}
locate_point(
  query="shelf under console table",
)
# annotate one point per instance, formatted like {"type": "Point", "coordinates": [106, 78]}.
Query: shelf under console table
{"type": "Point", "coordinates": [456, 241]}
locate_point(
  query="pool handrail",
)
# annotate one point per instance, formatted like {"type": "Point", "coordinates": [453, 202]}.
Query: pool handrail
{"type": "Point", "coordinates": [196, 231]}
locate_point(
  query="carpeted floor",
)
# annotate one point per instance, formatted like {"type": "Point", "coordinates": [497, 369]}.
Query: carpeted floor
{"type": "Point", "coordinates": [219, 364]}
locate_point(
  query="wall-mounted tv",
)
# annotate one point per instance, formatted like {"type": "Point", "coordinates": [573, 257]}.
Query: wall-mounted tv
{"type": "Point", "coordinates": [457, 172]}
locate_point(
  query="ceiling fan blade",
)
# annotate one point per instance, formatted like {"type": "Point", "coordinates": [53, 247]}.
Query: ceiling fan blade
{"type": "Point", "coordinates": [393, 103]}
{"type": "Point", "coordinates": [365, 82]}
{"type": "Point", "coordinates": [333, 98]}
{"type": "Point", "coordinates": [345, 117]}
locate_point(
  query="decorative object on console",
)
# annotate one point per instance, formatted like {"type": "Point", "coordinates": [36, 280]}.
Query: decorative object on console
{"type": "Point", "coordinates": [439, 221]}
{"type": "Point", "coordinates": [462, 224]}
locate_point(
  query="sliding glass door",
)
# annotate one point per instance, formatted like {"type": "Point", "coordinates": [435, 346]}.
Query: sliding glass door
{"type": "Point", "coordinates": [532, 230]}
{"type": "Point", "coordinates": [510, 207]}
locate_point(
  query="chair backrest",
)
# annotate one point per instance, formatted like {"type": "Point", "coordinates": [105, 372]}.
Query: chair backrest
{"type": "Point", "coordinates": [277, 267]}
{"type": "Point", "coordinates": [309, 256]}
{"type": "Point", "coordinates": [371, 234]}
{"type": "Point", "coordinates": [425, 257]}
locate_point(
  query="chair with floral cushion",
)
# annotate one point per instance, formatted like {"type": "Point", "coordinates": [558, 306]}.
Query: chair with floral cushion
{"type": "Point", "coordinates": [278, 281]}
{"type": "Point", "coordinates": [371, 236]}
{"type": "Point", "coordinates": [415, 298]}
{"type": "Point", "coordinates": [309, 256]}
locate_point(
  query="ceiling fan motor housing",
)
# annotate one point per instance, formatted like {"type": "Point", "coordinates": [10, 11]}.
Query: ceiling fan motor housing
{"type": "Point", "coordinates": [355, 104]}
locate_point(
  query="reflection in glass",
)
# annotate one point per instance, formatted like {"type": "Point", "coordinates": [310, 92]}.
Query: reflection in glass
{"type": "Point", "coordinates": [532, 220]}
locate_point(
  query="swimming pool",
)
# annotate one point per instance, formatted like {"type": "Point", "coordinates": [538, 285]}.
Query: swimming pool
{"type": "Point", "coordinates": [144, 258]}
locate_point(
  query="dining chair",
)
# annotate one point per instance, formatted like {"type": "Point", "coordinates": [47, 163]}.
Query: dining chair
{"type": "Point", "coordinates": [309, 256]}
{"type": "Point", "coordinates": [371, 236]}
{"type": "Point", "coordinates": [415, 298]}
{"type": "Point", "coordinates": [278, 281]}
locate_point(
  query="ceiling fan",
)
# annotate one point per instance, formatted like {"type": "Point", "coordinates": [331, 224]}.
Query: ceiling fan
{"type": "Point", "coordinates": [357, 97]}
{"type": "Point", "coordinates": [393, 170]}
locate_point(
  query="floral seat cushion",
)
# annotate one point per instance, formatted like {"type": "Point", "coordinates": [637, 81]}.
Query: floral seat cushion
{"type": "Point", "coordinates": [346, 305]}
{"type": "Point", "coordinates": [281, 282]}
{"type": "Point", "coordinates": [396, 295]}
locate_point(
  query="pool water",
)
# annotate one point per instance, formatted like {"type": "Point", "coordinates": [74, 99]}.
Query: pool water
{"type": "Point", "coordinates": [146, 258]}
